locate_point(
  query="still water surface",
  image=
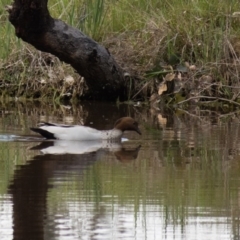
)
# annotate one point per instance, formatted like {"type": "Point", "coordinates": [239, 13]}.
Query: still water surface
{"type": "Point", "coordinates": [179, 180]}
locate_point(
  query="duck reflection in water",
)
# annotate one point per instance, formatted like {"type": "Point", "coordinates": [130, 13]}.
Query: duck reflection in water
{"type": "Point", "coordinates": [31, 182]}
{"type": "Point", "coordinates": [83, 147]}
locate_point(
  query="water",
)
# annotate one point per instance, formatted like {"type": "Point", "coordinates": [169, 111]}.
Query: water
{"type": "Point", "coordinates": [179, 180]}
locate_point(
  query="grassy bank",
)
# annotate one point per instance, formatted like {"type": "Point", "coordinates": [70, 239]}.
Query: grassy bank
{"type": "Point", "coordinates": [196, 38]}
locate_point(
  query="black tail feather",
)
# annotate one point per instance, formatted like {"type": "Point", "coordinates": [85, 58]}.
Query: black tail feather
{"type": "Point", "coordinates": [54, 125]}
{"type": "Point", "coordinates": [44, 133]}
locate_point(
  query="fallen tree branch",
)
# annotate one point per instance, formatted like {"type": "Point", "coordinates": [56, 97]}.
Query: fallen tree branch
{"type": "Point", "coordinates": [34, 25]}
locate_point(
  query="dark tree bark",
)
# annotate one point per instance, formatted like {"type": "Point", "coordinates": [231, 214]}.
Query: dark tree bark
{"type": "Point", "coordinates": [33, 24]}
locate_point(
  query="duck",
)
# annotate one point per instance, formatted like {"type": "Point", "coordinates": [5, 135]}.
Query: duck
{"type": "Point", "coordinates": [83, 133]}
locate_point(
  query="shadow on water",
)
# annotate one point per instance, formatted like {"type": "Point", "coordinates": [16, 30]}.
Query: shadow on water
{"type": "Point", "coordinates": [31, 182]}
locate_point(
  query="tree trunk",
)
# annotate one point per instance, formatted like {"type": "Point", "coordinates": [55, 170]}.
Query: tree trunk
{"type": "Point", "coordinates": [33, 24]}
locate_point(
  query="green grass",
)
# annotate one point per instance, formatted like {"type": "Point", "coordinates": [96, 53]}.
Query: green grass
{"type": "Point", "coordinates": [141, 33]}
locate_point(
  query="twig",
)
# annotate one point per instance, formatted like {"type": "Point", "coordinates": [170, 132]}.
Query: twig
{"type": "Point", "coordinates": [145, 85]}
{"type": "Point", "coordinates": [193, 115]}
{"type": "Point", "coordinates": [207, 97]}
{"type": "Point", "coordinates": [228, 114]}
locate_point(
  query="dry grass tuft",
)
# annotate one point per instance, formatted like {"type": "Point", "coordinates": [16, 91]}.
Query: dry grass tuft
{"type": "Point", "coordinates": [136, 51]}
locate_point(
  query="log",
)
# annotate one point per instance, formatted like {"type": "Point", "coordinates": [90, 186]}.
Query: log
{"type": "Point", "coordinates": [34, 25]}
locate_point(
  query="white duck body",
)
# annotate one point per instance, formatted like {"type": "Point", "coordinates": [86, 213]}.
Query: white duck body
{"type": "Point", "coordinates": [83, 133]}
